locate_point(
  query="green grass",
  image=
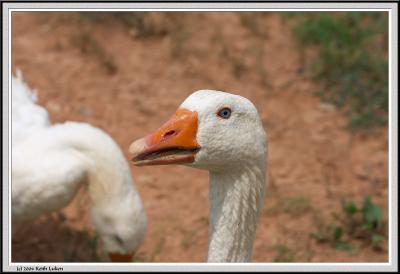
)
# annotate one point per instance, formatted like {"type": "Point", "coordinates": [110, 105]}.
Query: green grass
{"type": "Point", "coordinates": [88, 45]}
{"type": "Point", "coordinates": [283, 254]}
{"type": "Point", "coordinates": [363, 222]}
{"type": "Point", "coordinates": [352, 62]}
{"type": "Point", "coordinates": [158, 248]}
{"type": "Point", "coordinates": [295, 206]}
{"type": "Point", "coordinates": [140, 21]}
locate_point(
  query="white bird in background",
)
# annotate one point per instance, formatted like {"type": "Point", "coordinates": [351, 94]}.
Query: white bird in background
{"type": "Point", "coordinates": [222, 133]}
{"type": "Point", "coordinates": [51, 162]}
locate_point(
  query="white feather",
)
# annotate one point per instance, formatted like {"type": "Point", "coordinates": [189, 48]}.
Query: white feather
{"type": "Point", "coordinates": [26, 115]}
{"type": "Point", "coordinates": [234, 151]}
{"type": "Point", "coordinates": [51, 162]}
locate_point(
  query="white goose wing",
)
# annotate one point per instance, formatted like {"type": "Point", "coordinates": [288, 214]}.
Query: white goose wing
{"type": "Point", "coordinates": [45, 177]}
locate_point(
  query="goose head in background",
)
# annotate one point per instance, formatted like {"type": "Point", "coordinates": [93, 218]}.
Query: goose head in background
{"type": "Point", "coordinates": [51, 162]}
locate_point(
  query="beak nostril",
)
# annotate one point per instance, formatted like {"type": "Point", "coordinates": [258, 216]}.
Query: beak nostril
{"type": "Point", "coordinates": [169, 134]}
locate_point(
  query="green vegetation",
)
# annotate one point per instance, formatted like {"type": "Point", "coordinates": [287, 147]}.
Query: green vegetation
{"type": "Point", "coordinates": [140, 21]}
{"type": "Point", "coordinates": [253, 22]}
{"type": "Point", "coordinates": [158, 248]}
{"type": "Point", "coordinates": [144, 26]}
{"type": "Point", "coordinates": [73, 254]}
{"type": "Point", "coordinates": [295, 206]}
{"type": "Point", "coordinates": [283, 254]}
{"type": "Point", "coordinates": [188, 238]}
{"type": "Point", "coordinates": [179, 37]}
{"type": "Point", "coordinates": [352, 64]}
{"type": "Point", "coordinates": [364, 223]}
{"type": "Point", "coordinates": [88, 44]}
{"type": "Point", "coordinates": [250, 20]}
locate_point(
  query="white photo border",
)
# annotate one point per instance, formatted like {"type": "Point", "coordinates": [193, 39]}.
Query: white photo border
{"type": "Point", "coordinates": [390, 7]}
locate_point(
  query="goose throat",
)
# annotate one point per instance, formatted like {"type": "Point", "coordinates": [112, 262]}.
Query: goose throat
{"type": "Point", "coordinates": [236, 200]}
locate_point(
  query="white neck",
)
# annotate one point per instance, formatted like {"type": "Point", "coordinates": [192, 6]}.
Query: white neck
{"type": "Point", "coordinates": [108, 173]}
{"type": "Point", "coordinates": [236, 198]}
{"type": "Point", "coordinates": [116, 205]}
{"type": "Point", "coordinates": [109, 178]}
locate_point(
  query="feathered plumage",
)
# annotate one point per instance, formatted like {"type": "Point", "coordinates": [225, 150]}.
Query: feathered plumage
{"type": "Point", "coordinates": [222, 133]}
{"type": "Point", "coordinates": [51, 162]}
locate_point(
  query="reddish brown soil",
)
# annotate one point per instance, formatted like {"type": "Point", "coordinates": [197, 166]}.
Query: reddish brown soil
{"type": "Point", "coordinates": [107, 74]}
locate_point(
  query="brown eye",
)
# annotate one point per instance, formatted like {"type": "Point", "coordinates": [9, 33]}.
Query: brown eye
{"type": "Point", "coordinates": [224, 113]}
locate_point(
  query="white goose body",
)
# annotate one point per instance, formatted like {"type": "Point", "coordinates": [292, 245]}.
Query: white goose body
{"type": "Point", "coordinates": [51, 162]}
{"type": "Point", "coordinates": [222, 133]}
{"type": "Point", "coordinates": [27, 116]}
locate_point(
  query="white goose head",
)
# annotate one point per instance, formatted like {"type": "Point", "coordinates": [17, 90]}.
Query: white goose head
{"type": "Point", "coordinates": [117, 210]}
{"type": "Point", "coordinates": [211, 130]}
{"type": "Point", "coordinates": [121, 226]}
{"type": "Point", "coordinates": [222, 133]}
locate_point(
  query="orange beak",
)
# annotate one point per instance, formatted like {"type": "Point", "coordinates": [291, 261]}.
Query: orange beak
{"type": "Point", "coordinates": [121, 258]}
{"type": "Point", "coordinates": [173, 143]}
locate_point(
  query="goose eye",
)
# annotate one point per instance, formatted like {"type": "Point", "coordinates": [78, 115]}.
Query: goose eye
{"type": "Point", "coordinates": [225, 113]}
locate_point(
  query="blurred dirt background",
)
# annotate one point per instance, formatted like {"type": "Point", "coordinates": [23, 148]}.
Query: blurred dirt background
{"type": "Point", "coordinates": [127, 73]}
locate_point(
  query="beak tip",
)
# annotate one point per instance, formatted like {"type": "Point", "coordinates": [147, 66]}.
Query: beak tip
{"type": "Point", "coordinates": [136, 147]}
{"type": "Point", "coordinates": [121, 258]}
